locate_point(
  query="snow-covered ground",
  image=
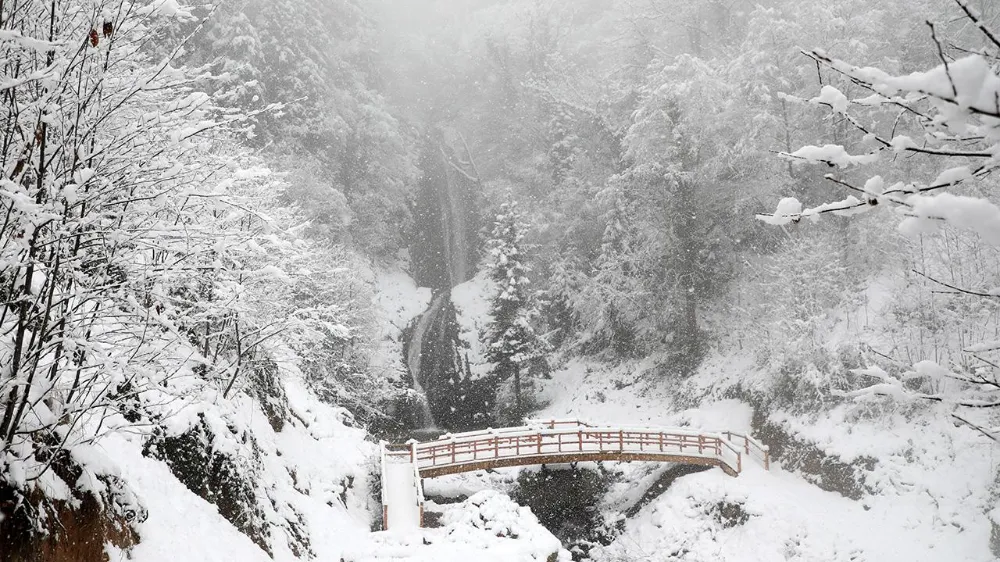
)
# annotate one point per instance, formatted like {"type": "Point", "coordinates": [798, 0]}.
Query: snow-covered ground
{"type": "Point", "coordinates": [931, 481]}
{"type": "Point", "coordinates": [487, 527]}
{"type": "Point", "coordinates": [931, 484]}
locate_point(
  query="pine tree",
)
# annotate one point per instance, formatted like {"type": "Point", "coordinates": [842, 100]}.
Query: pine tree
{"type": "Point", "coordinates": [512, 342]}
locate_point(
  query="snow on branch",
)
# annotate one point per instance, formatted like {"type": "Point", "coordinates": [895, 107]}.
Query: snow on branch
{"type": "Point", "coordinates": [947, 116]}
{"type": "Point", "coordinates": [957, 108]}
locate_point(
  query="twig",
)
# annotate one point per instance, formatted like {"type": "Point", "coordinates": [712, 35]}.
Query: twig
{"type": "Point", "coordinates": [953, 287]}
{"type": "Point", "coordinates": [978, 428]}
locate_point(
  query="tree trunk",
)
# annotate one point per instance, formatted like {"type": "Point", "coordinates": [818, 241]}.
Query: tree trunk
{"type": "Point", "coordinates": [518, 406]}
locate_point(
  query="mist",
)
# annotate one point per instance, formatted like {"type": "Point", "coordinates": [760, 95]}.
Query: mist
{"type": "Point", "coordinates": [499, 280]}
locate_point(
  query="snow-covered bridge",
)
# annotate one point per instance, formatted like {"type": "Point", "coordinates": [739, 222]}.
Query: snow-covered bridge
{"type": "Point", "coordinates": [548, 442]}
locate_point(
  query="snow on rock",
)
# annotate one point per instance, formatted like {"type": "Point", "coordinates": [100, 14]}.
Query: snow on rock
{"type": "Point", "coordinates": [398, 301]}
{"type": "Point", "coordinates": [929, 485]}
{"type": "Point", "coordinates": [723, 415]}
{"type": "Point", "coordinates": [777, 516]}
{"type": "Point", "coordinates": [487, 527]}
{"type": "Point", "coordinates": [313, 473]}
{"type": "Point", "coordinates": [626, 393]}
{"type": "Point", "coordinates": [180, 525]}
{"type": "Point", "coordinates": [466, 484]}
{"type": "Point", "coordinates": [472, 307]}
{"type": "Point", "coordinates": [398, 297]}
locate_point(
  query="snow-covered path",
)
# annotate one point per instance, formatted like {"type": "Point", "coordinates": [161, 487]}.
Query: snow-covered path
{"type": "Point", "coordinates": [400, 493]}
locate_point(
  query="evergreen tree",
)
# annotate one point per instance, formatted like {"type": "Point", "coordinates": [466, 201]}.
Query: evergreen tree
{"type": "Point", "coordinates": [512, 342]}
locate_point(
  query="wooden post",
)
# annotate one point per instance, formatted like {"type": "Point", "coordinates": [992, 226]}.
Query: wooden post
{"type": "Point", "coordinates": [496, 447]}
{"type": "Point", "coordinates": [579, 438]}
{"type": "Point", "coordinates": [661, 441]}
{"type": "Point", "coordinates": [739, 463]}
{"type": "Point", "coordinates": [385, 517]}
{"type": "Point", "coordinates": [767, 459]}
{"type": "Point", "coordinates": [453, 452]}
{"type": "Point", "coordinates": [621, 440]}
{"type": "Point", "coordinates": [701, 444]}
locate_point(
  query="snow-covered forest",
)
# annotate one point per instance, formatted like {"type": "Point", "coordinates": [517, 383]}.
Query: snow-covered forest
{"type": "Point", "coordinates": [500, 280]}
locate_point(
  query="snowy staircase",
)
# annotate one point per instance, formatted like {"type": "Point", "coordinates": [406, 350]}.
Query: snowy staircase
{"type": "Point", "coordinates": [402, 490]}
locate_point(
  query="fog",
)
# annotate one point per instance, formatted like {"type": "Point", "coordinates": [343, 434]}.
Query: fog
{"type": "Point", "coordinates": [451, 280]}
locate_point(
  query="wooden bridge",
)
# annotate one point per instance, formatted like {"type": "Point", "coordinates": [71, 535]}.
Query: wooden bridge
{"type": "Point", "coordinates": [548, 442]}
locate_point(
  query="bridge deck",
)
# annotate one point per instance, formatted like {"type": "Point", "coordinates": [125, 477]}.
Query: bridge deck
{"type": "Point", "coordinates": [564, 458]}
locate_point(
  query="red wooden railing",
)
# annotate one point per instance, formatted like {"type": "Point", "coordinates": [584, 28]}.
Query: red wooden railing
{"type": "Point", "coordinates": [571, 437]}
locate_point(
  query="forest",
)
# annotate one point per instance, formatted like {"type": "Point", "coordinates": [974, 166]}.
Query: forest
{"type": "Point", "coordinates": [246, 247]}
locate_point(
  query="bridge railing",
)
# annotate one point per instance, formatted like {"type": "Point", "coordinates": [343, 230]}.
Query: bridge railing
{"type": "Point", "coordinates": [752, 448]}
{"type": "Point", "coordinates": [382, 445]}
{"type": "Point", "coordinates": [576, 437]}
{"type": "Point", "coordinates": [530, 425]}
